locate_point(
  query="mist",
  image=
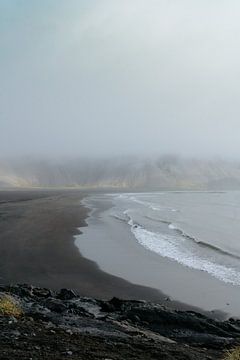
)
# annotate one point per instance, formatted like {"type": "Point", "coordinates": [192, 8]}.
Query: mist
{"type": "Point", "coordinates": [124, 77]}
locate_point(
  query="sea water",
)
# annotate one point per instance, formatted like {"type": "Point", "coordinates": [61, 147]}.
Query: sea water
{"type": "Point", "coordinates": [185, 244]}
{"type": "Point", "coordinates": [199, 230]}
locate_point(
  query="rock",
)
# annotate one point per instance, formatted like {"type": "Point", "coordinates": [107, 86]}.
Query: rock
{"type": "Point", "coordinates": [34, 310]}
{"type": "Point", "coordinates": [56, 305]}
{"type": "Point", "coordinates": [187, 327]}
{"type": "Point", "coordinates": [66, 294]}
{"type": "Point", "coordinates": [69, 331]}
{"type": "Point", "coordinates": [49, 325]}
{"type": "Point", "coordinates": [107, 307]}
{"type": "Point", "coordinates": [115, 304]}
{"type": "Point", "coordinates": [136, 326]}
{"type": "Point", "coordinates": [77, 309]}
{"type": "Point", "coordinates": [12, 320]}
{"type": "Point", "coordinates": [22, 291]}
{"type": "Point", "coordinates": [135, 318]}
{"type": "Point", "coordinates": [42, 292]}
{"type": "Point", "coordinates": [16, 333]}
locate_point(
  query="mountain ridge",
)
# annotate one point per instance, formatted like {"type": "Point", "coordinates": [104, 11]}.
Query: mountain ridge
{"type": "Point", "coordinates": [165, 172]}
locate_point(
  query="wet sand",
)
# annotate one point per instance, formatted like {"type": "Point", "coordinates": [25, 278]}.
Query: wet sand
{"type": "Point", "coordinates": [109, 242]}
{"type": "Point", "coordinates": [37, 230]}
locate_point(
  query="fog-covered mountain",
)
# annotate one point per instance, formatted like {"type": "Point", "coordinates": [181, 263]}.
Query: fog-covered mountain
{"type": "Point", "coordinates": [165, 172]}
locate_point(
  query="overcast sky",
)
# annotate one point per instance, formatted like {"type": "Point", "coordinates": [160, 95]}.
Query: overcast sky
{"type": "Point", "coordinates": [103, 77]}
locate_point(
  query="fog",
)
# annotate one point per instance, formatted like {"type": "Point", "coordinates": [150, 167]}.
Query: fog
{"type": "Point", "coordinates": [122, 77]}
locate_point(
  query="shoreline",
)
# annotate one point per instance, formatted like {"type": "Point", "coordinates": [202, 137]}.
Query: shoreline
{"type": "Point", "coordinates": [110, 243]}
{"type": "Point", "coordinates": [37, 246]}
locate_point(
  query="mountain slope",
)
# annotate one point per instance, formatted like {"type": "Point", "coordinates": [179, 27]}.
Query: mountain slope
{"type": "Point", "coordinates": [166, 172]}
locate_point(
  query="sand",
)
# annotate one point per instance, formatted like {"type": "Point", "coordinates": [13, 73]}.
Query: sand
{"type": "Point", "coordinates": [37, 230]}
{"type": "Point", "coordinates": [109, 242]}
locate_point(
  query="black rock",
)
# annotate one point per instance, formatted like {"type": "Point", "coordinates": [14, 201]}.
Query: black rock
{"type": "Point", "coordinates": [122, 320]}
{"type": "Point", "coordinates": [22, 290]}
{"type": "Point", "coordinates": [119, 305]}
{"type": "Point", "coordinates": [42, 292]}
{"type": "Point", "coordinates": [66, 294]}
{"type": "Point", "coordinates": [79, 310]}
{"type": "Point", "coordinates": [183, 326]}
{"type": "Point", "coordinates": [56, 305]}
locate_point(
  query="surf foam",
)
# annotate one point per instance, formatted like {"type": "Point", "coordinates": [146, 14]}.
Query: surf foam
{"type": "Point", "coordinates": [169, 247]}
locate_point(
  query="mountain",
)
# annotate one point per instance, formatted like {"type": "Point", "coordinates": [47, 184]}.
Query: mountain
{"type": "Point", "coordinates": [164, 172]}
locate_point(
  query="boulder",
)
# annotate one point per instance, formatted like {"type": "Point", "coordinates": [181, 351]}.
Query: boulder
{"type": "Point", "coordinates": [66, 294]}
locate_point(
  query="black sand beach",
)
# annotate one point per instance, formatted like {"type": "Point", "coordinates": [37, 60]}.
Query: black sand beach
{"type": "Point", "coordinates": [109, 241]}
{"type": "Point", "coordinates": [37, 247]}
{"type": "Point", "coordinates": [37, 231]}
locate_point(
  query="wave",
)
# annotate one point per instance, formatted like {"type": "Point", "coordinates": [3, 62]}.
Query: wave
{"type": "Point", "coordinates": [179, 246]}
{"type": "Point", "coordinates": [202, 243]}
{"type": "Point", "coordinates": [119, 217]}
{"type": "Point", "coordinates": [169, 246]}
{"type": "Point", "coordinates": [150, 205]}
{"type": "Point", "coordinates": [219, 250]}
{"type": "Point", "coordinates": [180, 232]}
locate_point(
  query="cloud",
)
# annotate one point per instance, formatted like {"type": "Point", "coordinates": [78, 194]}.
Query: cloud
{"type": "Point", "coordinates": [121, 77]}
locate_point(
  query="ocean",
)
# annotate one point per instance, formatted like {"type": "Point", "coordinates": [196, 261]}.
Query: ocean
{"type": "Point", "coordinates": [200, 230]}
{"type": "Point", "coordinates": [196, 234]}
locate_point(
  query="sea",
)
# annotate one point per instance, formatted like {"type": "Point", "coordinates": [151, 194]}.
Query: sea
{"type": "Point", "coordinates": [198, 231]}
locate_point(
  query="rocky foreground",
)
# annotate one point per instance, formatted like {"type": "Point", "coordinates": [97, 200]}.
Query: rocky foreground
{"type": "Point", "coordinates": [65, 326]}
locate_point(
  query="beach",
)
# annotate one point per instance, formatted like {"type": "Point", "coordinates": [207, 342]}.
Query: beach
{"type": "Point", "coordinates": [37, 230]}
{"type": "Point", "coordinates": [190, 278]}
{"type": "Point", "coordinates": [41, 243]}
{"type": "Point", "coordinates": [38, 234]}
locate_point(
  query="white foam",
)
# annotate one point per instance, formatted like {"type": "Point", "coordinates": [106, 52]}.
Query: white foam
{"type": "Point", "coordinates": [168, 246]}
{"type": "Point", "coordinates": [148, 204]}
{"type": "Point", "coordinates": [155, 208]}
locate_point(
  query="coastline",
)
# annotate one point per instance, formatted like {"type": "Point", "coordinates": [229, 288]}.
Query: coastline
{"type": "Point", "coordinates": [37, 246]}
{"type": "Point", "coordinates": [37, 230]}
{"type": "Point", "coordinates": [109, 242]}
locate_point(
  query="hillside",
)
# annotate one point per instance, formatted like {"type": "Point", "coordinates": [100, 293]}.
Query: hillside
{"type": "Point", "coordinates": [166, 172]}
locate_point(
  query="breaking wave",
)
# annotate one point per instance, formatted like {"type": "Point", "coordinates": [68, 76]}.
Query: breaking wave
{"type": "Point", "coordinates": [172, 247]}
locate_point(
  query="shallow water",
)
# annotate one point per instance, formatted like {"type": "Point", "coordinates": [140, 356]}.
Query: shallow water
{"type": "Point", "coordinates": [185, 244]}
{"type": "Point", "coordinates": [200, 230]}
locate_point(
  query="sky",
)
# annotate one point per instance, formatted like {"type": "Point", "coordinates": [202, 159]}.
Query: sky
{"type": "Point", "coordinates": [119, 77]}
